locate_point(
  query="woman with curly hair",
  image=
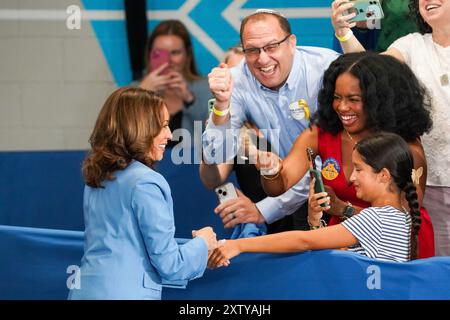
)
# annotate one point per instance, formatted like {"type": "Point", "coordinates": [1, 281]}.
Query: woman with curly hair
{"type": "Point", "coordinates": [362, 94]}
{"type": "Point", "coordinates": [129, 245]}
{"type": "Point", "coordinates": [427, 53]}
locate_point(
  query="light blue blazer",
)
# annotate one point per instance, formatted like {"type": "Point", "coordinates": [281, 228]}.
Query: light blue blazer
{"type": "Point", "coordinates": [129, 245]}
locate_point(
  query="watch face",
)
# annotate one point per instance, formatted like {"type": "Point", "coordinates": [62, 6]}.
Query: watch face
{"type": "Point", "coordinates": [349, 211]}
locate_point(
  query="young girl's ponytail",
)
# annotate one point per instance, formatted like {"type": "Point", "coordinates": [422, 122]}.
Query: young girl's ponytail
{"type": "Point", "coordinates": [413, 203]}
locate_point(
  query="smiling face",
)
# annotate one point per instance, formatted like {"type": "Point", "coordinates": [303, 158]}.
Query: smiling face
{"type": "Point", "coordinates": [348, 104]}
{"type": "Point", "coordinates": [367, 183]}
{"type": "Point", "coordinates": [173, 44]}
{"type": "Point", "coordinates": [270, 68]}
{"type": "Point", "coordinates": [160, 141]}
{"type": "Point", "coordinates": [435, 12]}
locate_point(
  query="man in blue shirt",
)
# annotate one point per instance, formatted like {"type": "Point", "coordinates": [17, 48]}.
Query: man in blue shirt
{"type": "Point", "coordinates": [275, 88]}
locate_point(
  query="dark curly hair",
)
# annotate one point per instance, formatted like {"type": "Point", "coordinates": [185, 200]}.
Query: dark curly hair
{"type": "Point", "coordinates": [393, 98]}
{"type": "Point", "coordinates": [390, 151]}
{"type": "Point", "coordinates": [124, 130]}
{"type": "Point", "coordinates": [415, 14]}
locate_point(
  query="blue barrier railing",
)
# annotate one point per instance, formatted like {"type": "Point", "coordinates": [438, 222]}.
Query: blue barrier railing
{"type": "Point", "coordinates": [36, 263]}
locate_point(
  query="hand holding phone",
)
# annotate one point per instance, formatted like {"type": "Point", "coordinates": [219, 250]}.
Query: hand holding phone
{"type": "Point", "coordinates": [226, 192]}
{"type": "Point", "coordinates": [314, 173]}
{"type": "Point", "coordinates": [158, 58]}
{"type": "Point", "coordinates": [365, 10]}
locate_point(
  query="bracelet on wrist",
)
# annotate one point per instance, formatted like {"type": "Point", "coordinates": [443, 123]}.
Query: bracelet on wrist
{"type": "Point", "coordinates": [271, 173]}
{"type": "Point", "coordinates": [221, 113]}
{"type": "Point", "coordinates": [345, 37]}
{"type": "Point", "coordinates": [212, 107]}
{"type": "Point", "coordinates": [322, 224]}
{"type": "Point", "coordinates": [270, 178]}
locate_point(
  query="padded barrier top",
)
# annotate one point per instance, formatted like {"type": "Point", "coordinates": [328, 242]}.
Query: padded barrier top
{"type": "Point", "coordinates": [34, 263]}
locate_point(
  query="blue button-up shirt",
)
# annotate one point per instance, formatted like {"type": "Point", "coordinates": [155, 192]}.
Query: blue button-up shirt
{"type": "Point", "coordinates": [270, 111]}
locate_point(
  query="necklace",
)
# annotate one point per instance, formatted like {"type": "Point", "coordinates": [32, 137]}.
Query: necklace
{"type": "Point", "coordinates": [444, 77]}
{"type": "Point", "coordinates": [351, 138]}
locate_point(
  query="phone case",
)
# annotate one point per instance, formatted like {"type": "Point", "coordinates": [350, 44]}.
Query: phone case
{"type": "Point", "coordinates": [318, 185]}
{"type": "Point", "coordinates": [314, 173]}
{"type": "Point", "coordinates": [366, 10]}
{"type": "Point", "coordinates": [226, 192]}
{"type": "Point", "coordinates": [158, 58]}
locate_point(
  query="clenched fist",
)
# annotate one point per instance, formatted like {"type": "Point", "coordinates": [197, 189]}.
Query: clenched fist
{"type": "Point", "coordinates": [221, 85]}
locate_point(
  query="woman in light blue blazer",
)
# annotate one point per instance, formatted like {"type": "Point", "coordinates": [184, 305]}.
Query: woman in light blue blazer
{"type": "Point", "coordinates": [129, 247]}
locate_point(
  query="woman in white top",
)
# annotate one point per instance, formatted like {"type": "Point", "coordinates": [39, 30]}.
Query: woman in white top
{"type": "Point", "coordinates": [428, 54]}
{"type": "Point", "coordinates": [386, 231]}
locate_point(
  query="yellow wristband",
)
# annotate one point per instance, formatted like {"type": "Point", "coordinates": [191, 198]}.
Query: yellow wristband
{"type": "Point", "coordinates": [345, 38]}
{"type": "Point", "coordinates": [221, 113]}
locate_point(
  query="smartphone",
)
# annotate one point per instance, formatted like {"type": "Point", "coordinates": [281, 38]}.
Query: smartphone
{"type": "Point", "coordinates": [314, 173]}
{"type": "Point", "coordinates": [226, 192]}
{"type": "Point", "coordinates": [365, 10]}
{"type": "Point", "coordinates": [158, 58]}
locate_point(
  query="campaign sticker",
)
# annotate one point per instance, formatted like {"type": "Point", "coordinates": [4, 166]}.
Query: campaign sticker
{"type": "Point", "coordinates": [330, 168]}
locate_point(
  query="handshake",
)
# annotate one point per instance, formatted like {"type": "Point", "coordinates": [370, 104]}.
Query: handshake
{"type": "Point", "coordinates": [214, 247]}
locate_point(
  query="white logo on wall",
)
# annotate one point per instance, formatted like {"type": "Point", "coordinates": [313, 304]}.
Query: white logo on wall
{"type": "Point", "coordinates": [73, 21]}
{"type": "Point", "coordinates": [374, 279]}
{"type": "Point", "coordinates": [74, 280]}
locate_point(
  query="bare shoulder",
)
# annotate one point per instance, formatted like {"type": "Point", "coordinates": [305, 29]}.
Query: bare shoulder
{"type": "Point", "coordinates": [417, 152]}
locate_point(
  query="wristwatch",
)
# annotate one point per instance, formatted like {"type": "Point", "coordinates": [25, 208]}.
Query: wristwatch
{"type": "Point", "coordinates": [349, 211]}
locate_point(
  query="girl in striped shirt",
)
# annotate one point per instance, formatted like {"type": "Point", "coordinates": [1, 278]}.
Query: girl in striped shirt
{"type": "Point", "coordinates": [386, 231]}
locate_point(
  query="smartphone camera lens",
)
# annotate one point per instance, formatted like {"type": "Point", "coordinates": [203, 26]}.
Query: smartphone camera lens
{"type": "Point", "coordinates": [219, 191]}
{"type": "Point", "coordinates": [224, 193]}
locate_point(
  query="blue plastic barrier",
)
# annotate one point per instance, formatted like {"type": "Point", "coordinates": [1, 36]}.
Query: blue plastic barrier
{"type": "Point", "coordinates": [34, 262]}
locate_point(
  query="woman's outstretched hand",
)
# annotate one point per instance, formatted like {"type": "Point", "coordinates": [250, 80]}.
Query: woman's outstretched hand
{"type": "Point", "coordinates": [226, 250]}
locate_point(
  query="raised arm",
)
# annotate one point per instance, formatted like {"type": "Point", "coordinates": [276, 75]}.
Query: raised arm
{"type": "Point", "coordinates": [342, 26]}
{"type": "Point", "coordinates": [294, 166]}
{"type": "Point", "coordinates": [333, 237]}
{"type": "Point", "coordinates": [221, 85]}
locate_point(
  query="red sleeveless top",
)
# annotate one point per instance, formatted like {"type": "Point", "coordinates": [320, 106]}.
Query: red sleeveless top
{"type": "Point", "coordinates": [333, 175]}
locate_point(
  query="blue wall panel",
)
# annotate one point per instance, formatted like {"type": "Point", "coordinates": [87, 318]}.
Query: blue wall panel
{"type": "Point", "coordinates": [208, 16]}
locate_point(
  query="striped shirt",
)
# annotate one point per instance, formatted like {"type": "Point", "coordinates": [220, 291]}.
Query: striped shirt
{"type": "Point", "coordinates": [383, 233]}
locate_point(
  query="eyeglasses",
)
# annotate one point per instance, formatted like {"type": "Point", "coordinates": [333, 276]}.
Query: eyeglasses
{"type": "Point", "coordinates": [269, 48]}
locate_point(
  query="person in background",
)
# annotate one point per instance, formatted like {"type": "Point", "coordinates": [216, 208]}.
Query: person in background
{"type": "Point", "coordinates": [275, 89]}
{"type": "Point", "coordinates": [233, 56]}
{"type": "Point", "coordinates": [362, 94]}
{"type": "Point", "coordinates": [427, 53]}
{"type": "Point", "coordinates": [385, 231]}
{"type": "Point", "coordinates": [129, 245]}
{"type": "Point", "coordinates": [184, 91]}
